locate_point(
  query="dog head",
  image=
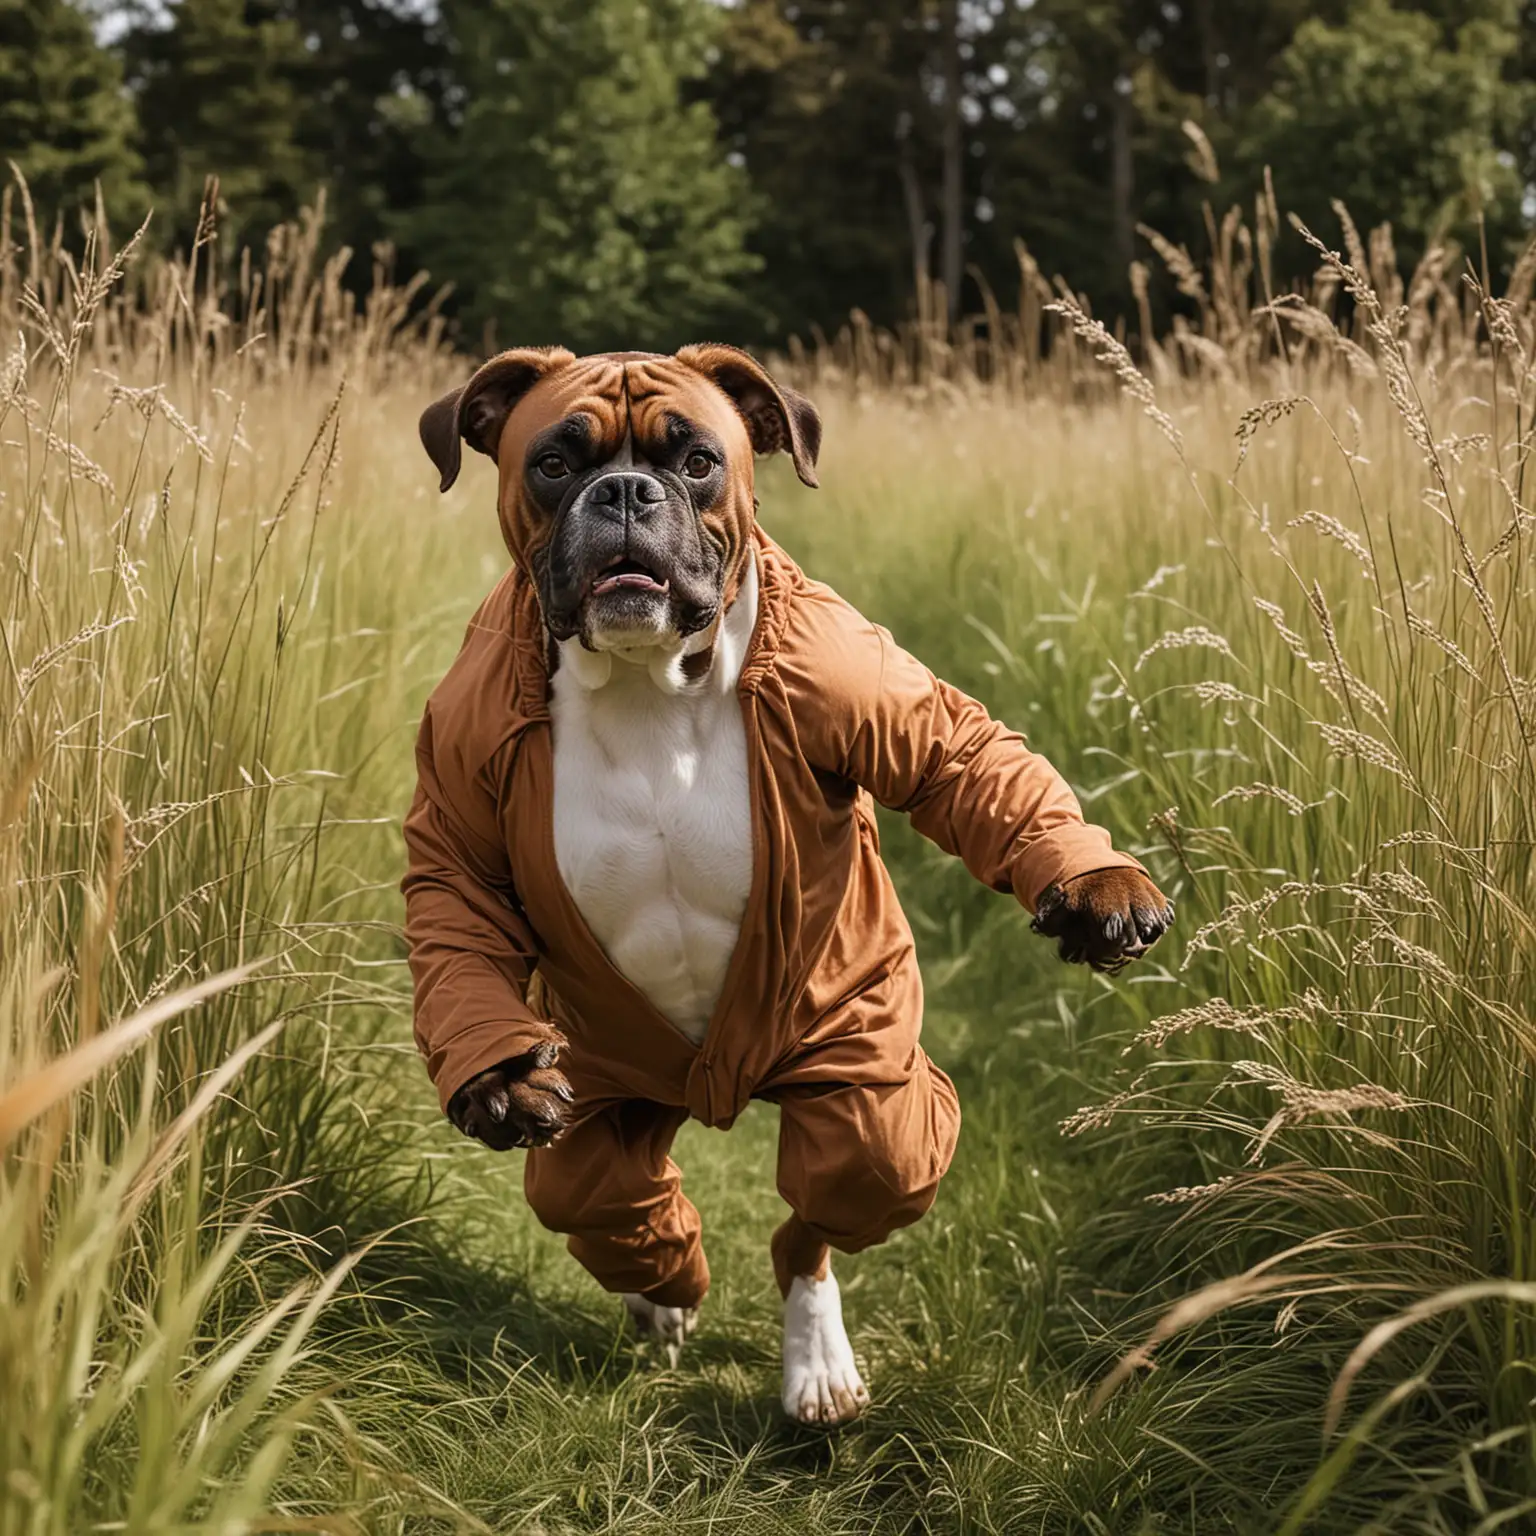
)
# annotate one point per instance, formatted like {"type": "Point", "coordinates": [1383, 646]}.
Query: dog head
{"type": "Point", "coordinates": [626, 480]}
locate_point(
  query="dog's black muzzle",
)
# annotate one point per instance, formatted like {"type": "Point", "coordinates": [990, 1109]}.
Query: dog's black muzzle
{"type": "Point", "coordinates": [626, 495]}
{"type": "Point", "coordinates": [629, 557]}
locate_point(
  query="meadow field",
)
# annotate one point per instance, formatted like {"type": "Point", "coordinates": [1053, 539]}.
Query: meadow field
{"type": "Point", "coordinates": [1241, 1240]}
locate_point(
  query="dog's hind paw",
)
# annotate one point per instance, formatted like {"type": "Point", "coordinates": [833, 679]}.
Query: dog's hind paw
{"type": "Point", "coordinates": [822, 1384]}
{"type": "Point", "coordinates": [669, 1326]}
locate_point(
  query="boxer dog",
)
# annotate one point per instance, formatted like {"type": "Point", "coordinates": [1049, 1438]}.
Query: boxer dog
{"type": "Point", "coordinates": [644, 880]}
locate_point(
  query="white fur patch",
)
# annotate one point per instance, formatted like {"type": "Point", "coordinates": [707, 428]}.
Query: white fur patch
{"type": "Point", "coordinates": [822, 1384]}
{"type": "Point", "coordinates": [653, 814]}
{"type": "Point", "coordinates": [669, 1326]}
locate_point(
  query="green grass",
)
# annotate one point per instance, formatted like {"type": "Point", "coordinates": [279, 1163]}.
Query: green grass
{"type": "Point", "coordinates": [209, 771]}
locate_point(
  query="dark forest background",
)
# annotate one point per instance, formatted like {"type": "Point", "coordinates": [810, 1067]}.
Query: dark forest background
{"type": "Point", "coordinates": [639, 171]}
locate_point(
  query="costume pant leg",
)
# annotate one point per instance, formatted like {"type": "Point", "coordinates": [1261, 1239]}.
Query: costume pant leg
{"type": "Point", "coordinates": [609, 1184]}
{"type": "Point", "coordinates": [859, 1160]}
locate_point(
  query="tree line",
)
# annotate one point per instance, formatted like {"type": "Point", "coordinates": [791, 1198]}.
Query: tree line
{"type": "Point", "coordinates": [634, 172]}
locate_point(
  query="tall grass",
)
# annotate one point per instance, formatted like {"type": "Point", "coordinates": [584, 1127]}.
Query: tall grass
{"type": "Point", "coordinates": [1356, 1072]}
{"type": "Point", "coordinates": [182, 767]}
{"type": "Point", "coordinates": [1260, 586]}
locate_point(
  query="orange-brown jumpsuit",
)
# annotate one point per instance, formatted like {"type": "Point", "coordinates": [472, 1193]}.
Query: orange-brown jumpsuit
{"type": "Point", "coordinates": [822, 1002]}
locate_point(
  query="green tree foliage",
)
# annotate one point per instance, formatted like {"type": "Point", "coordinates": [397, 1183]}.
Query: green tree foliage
{"type": "Point", "coordinates": [371, 76]}
{"type": "Point", "coordinates": [64, 117]}
{"type": "Point", "coordinates": [637, 171]}
{"type": "Point", "coordinates": [1074, 137]}
{"type": "Point", "coordinates": [1403, 116]}
{"type": "Point", "coordinates": [573, 195]}
{"type": "Point", "coordinates": [1092, 143]}
{"type": "Point", "coordinates": [217, 92]}
{"type": "Point", "coordinates": [829, 107]}
{"type": "Point", "coordinates": [1523, 68]}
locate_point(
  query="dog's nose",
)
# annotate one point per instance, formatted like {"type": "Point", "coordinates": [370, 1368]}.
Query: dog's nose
{"type": "Point", "coordinates": [625, 494]}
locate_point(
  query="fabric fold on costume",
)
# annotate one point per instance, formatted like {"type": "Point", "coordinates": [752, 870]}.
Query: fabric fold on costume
{"type": "Point", "coordinates": [822, 1004]}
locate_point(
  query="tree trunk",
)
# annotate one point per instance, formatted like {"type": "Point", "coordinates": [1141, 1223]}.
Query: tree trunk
{"type": "Point", "coordinates": [1205, 25]}
{"type": "Point", "coordinates": [919, 230]}
{"type": "Point", "coordinates": [1122, 176]}
{"type": "Point", "coordinates": [952, 199]}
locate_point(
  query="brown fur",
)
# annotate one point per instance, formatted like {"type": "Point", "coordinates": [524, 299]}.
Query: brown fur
{"type": "Point", "coordinates": [476, 412]}
{"type": "Point", "coordinates": [523, 1102]}
{"type": "Point", "coordinates": [1106, 918]}
{"type": "Point", "coordinates": [798, 1251]}
{"type": "Point", "coordinates": [520, 393]}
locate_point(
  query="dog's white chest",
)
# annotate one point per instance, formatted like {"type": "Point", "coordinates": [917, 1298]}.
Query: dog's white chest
{"type": "Point", "coordinates": [653, 820]}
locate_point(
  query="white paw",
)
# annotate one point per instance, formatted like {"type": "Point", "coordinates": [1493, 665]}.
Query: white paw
{"type": "Point", "coordinates": [821, 1383]}
{"type": "Point", "coordinates": [669, 1326]}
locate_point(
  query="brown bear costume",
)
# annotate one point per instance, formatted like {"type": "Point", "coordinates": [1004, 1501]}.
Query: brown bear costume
{"type": "Point", "coordinates": [822, 1003]}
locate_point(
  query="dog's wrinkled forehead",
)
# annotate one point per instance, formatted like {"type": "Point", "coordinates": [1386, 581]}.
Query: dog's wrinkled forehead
{"type": "Point", "coordinates": [530, 405]}
{"type": "Point", "coordinates": [603, 404]}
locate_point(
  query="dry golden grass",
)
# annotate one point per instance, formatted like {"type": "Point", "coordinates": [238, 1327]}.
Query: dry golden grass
{"type": "Point", "coordinates": [1262, 585]}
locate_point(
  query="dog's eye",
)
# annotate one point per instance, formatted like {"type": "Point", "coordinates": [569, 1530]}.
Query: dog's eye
{"type": "Point", "coordinates": [698, 466]}
{"type": "Point", "coordinates": [552, 466]}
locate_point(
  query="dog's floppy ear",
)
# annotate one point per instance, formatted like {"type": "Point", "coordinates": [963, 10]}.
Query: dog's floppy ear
{"type": "Point", "coordinates": [476, 413]}
{"type": "Point", "coordinates": [776, 416]}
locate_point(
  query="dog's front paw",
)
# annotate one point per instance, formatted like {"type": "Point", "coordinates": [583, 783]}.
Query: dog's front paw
{"type": "Point", "coordinates": [1107, 918]}
{"type": "Point", "coordinates": [519, 1103]}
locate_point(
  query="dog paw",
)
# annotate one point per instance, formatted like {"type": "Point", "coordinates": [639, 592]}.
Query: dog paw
{"type": "Point", "coordinates": [524, 1102]}
{"type": "Point", "coordinates": [822, 1384]}
{"type": "Point", "coordinates": [671, 1327]}
{"type": "Point", "coordinates": [1107, 918]}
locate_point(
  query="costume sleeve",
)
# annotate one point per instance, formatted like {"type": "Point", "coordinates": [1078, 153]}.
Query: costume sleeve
{"type": "Point", "coordinates": [472, 952]}
{"type": "Point", "coordinates": [967, 781]}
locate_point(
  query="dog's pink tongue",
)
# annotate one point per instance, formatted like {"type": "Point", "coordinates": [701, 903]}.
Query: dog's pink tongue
{"type": "Point", "coordinates": [636, 579]}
